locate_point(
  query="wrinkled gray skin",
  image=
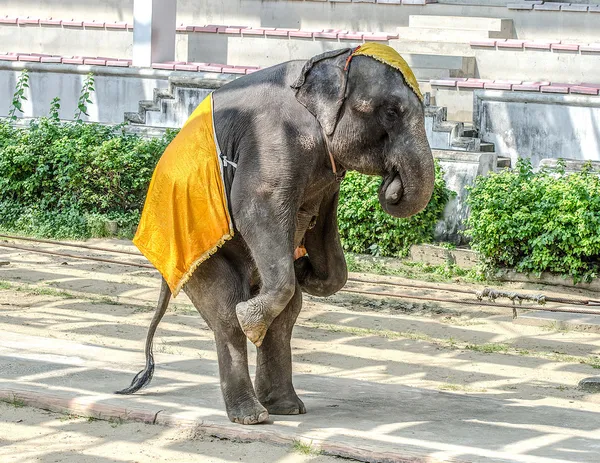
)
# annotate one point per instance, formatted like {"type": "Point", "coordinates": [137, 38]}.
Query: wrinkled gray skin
{"type": "Point", "coordinates": [278, 125]}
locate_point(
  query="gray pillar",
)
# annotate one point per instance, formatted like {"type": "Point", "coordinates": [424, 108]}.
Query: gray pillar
{"type": "Point", "coordinates": [154, 25]}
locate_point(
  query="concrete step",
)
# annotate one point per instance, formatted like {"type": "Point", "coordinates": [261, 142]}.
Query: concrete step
{"type": "Point", "coordinates": [492, 25]}
{"type": "Point", "coordinates": [451, 135]}
{"type": "Point", "coordinates": [435, 34]}
{"type": "Point", "coordinates": [486, 147]}
{"type": "Point", "coordinates": [427, 47]}
{"type": "Point", "coordinates": [267, 51]}
{"type": "Point", "coordinates": [503, 161]}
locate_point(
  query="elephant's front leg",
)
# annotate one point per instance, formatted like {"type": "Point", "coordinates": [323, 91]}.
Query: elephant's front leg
{"type": "Point", "coordinates": [323, 271]}
{"type": "Point", "coordinates": [267, 227]}
{"type": "Point", "coordinates": [273, 382]}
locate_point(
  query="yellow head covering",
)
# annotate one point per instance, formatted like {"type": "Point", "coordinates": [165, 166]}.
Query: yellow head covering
{"type": "Point", "coordinates": [391, 57]}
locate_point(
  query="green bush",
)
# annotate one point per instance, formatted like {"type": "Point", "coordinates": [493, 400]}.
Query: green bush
{"type": "Point", "coordinates": [538, 221]}
{"type": "Point", "coordinates": [65, 180]}
{"type": "Point", "coordinates": [366, 228]}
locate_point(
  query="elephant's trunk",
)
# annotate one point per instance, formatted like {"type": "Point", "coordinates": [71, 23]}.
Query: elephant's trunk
{"type": "Point", "coordinates": [408, 185]}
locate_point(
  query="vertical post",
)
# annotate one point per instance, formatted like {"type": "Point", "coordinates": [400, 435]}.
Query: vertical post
{"type": "Point", "coordinates": [154, 23]}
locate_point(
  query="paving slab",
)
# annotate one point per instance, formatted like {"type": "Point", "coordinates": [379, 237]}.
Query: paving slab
{"type": "Point", "coordinates": [348, 416]}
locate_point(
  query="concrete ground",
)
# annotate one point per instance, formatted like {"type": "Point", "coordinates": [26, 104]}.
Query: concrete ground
{"type": "Point", "coordinates": [383, 379]}
{"type": "Point", "coordinates": [29, 434]}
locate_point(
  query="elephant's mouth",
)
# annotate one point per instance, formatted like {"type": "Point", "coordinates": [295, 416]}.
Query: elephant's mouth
{"type": "Point", "coordinates": [391, 191]}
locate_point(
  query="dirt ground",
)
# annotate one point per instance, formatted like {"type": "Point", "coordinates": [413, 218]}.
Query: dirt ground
{"type": "Point", "coordinates": [462, 349]}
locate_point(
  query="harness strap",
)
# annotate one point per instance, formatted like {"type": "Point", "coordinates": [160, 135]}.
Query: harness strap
{"type": "Point", "coordinates": [227, 162]}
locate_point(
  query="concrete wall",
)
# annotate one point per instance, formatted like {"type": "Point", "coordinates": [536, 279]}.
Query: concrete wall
{"type": "Point", "coordinates": [117, 90]}
{"type": "Point", "coordinates": [460, 171]}
{"type": "Point", "coordinates": [538, 126]}
{"type": "Point", "coordinates": [107, 10]}
{"type": "Point", "coordinates": [318, 14]}
{"type": "Point", "coordinates": [67, 41]}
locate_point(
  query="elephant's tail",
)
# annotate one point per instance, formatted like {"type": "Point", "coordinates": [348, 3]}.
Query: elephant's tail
{"type": "Point", "coordinates": [143, 378]}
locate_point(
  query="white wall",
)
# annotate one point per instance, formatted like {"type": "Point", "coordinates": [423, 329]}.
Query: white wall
{"type": "Point", "coordinates": [117, 91]}
{"type": "Point", "coordinates": [318, 14]}
{"type": "Point", "coordinates": [539, 126]}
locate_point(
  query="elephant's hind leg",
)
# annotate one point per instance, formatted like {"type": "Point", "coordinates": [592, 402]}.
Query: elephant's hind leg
{"type": "Point", "coordinates": [215, 289]}
{"type": "Point", "coordinates": [274, 364]}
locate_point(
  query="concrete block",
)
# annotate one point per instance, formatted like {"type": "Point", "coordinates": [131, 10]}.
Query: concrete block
{"type": "Point", "coordinates": [50, 22]}
{"type": "Point", "coordinates": [186, 67]}
{"type": "Point", "coordinates": [510, 43]}
{"type": "Point", "coordinates": [497, 86]}
{"type": "Point", "coordinates": [115, 25]}
{"type": "Point", "coordinates": [582, 90]}
{"type": "Point", "coordinates": [28, 21]}
{"type": "Point", "coordinates": [520, 6]}
{"type": "Point", "coordinates": [73, 60]}
{"type": "Point", "coordinates": [363, 1]}
{"type": "Point", "coordinates": [591, 48]}
{"type": "Point", "coordinates": [351, 36]}
{"type": "Point", "coordinates": [253, 32]}
{"type": "Point", "coordinates": [418, 2]}
{"type": "Point", "coordinates": [203, 67]}
{"type": "Point", "coordinates": [277, 33]}
{"type": "Point", "coordinates": [325, 35]}
{"type": "Point", "coordinates": [51, 59]}
{"type": "Point", "coordinates": [554, 89]}
{"type": "Point", "coordinates": [528, 87]}
{"type": "Point", "coordinates": [547, 7]}
{"type": "Point", "coordinates": [470, 83]}
{"type": "Point", "coordinates": [116, 63]}
{"type": "Point", "coordinates": [93, 24]}
{"type": "Point", "coordinates": [30, 58]}
{"type": "Point", "coordinates": [72, 23]}
{"type": "Point", "coordinates": [565, 46]}
{"type": "Point", "coordinates": [94, 62]}
{"type": "Point", "coordinates": [390, 2]}
{"type": "Point", "coordinates": [7, 20]}
{"type": "Point", "coordinates": [537, 45]}
{"type": "Point", "coordinates": [575, 8]}
{"type": "Point", "coordinates": [443, 83]}
{"type": "Point", "coordinates": [302, 34]}
{"type": "Point", "coordinates": [488, 43]}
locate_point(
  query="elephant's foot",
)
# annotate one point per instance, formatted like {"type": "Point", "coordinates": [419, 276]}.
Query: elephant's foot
{"type": "Point", "coordinates": [248, 413]}
{"type": "Point", "coordinates": [253, 320]}
{"type": "Point", "coordinates": [284, 405]}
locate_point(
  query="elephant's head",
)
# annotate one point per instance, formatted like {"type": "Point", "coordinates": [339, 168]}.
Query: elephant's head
{"type": "Point", "coordinates": [372, 122]}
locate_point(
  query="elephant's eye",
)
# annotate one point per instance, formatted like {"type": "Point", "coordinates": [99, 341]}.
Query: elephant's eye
{"type": "Point", "coordinates": [392, 113]}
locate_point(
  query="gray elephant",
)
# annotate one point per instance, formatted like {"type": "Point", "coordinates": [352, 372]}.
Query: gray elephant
{"type": "Point", "coordinates": [291, 131]}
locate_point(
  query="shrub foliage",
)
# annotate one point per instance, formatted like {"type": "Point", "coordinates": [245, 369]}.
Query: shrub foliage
{"type": "Point", "coordinates": [366, 228]}
{"type": "Point", "coordinates": [64, 180]}
{"type": "Point", "coordinates": [538, 221]}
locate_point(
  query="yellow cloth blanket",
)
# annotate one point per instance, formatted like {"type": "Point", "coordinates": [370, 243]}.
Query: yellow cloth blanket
{"type": "Point", "coordinates": [186, 217]}
{"type": "Point", "coordinates": [387, 55]}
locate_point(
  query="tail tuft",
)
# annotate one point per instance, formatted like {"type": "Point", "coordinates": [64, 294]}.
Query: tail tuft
{"type": "Point", "coordinates": [141, 380]}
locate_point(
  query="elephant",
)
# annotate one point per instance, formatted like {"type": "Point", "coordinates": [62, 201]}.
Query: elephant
{"type": "Point", "coordinates": [293, 130]}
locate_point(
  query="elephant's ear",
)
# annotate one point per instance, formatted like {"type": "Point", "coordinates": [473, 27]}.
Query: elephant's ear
{"type": "Point", "coordinates": [321, 86]}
